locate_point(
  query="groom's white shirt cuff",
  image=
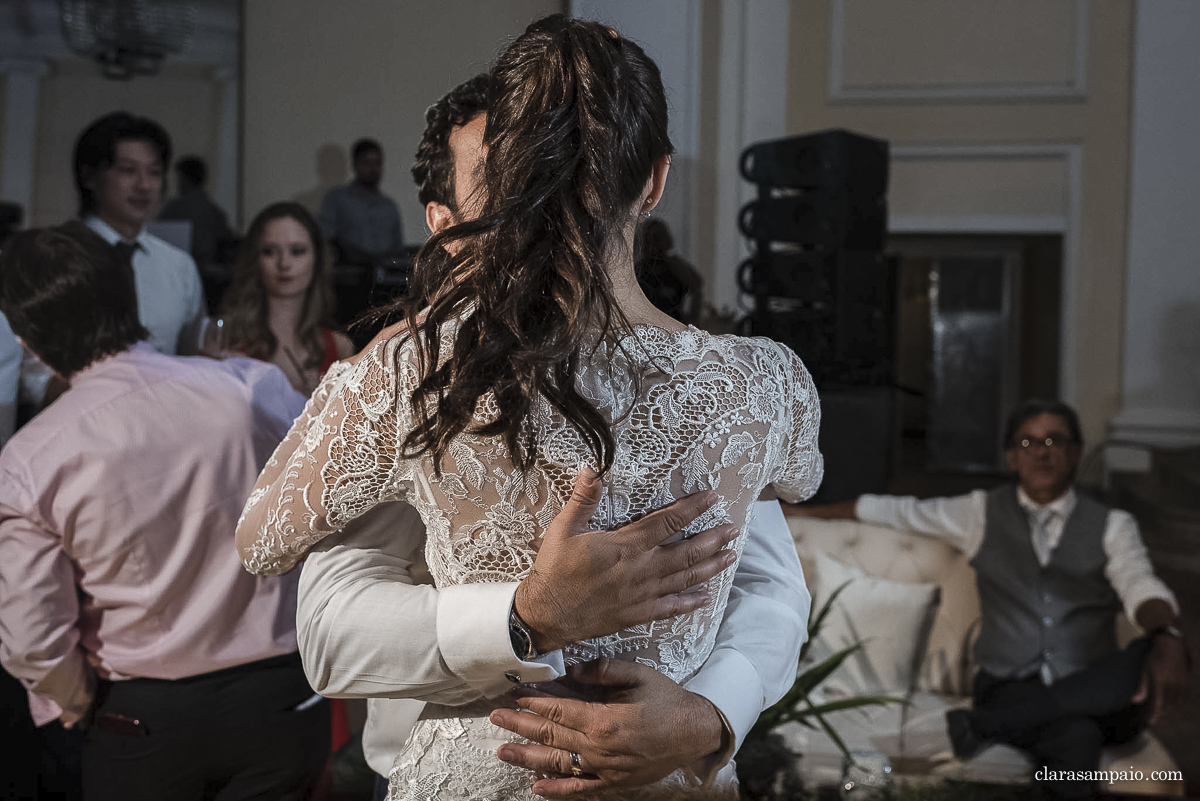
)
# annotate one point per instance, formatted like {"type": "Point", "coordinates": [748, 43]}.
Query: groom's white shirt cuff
{"type": "Point", "coordinates": [731, 682]}
{"type": "Point", "coordinates": [472, 630]}
{"type": "Point", "coordinates": [364, 629]}
{"type": "Point", "coordinates": [757, 648]}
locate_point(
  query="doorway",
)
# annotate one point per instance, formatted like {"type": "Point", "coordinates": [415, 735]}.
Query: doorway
{"type": "Point", "coordinates": [977, 331]}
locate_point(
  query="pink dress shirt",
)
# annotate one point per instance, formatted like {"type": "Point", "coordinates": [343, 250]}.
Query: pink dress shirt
{"type": "Point", "coordinates": [118, 505]}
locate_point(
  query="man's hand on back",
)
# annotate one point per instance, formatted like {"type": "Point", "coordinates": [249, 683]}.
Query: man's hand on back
{"type": "Point", "coordinates": [588, 584]}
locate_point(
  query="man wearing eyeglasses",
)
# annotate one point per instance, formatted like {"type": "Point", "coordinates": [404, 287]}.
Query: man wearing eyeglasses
{"type": "Point", "coordinates": [1053, 569]}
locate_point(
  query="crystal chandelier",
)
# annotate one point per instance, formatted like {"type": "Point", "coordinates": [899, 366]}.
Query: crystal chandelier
{"type": "Point", "coordinates": [127, 37]}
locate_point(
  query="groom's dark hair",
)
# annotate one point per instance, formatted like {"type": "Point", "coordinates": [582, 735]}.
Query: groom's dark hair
{"type": "Point", "coordinates": [433, 171]}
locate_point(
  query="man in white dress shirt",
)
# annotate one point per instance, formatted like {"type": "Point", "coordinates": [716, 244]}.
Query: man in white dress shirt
{"type": "Point", "coordinates": [119, 165]}
{"type": "Point", "coordinates": [365, 630]}
{"type": "Point", "coordinates": [1054, 568]}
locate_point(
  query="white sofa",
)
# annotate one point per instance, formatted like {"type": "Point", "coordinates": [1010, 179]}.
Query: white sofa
{"type": "Point", "coordinates": [914, 737]}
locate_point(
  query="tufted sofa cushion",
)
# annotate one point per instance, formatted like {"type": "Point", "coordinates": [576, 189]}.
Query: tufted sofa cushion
{"type": "Point", "coordinates": [910, 558]}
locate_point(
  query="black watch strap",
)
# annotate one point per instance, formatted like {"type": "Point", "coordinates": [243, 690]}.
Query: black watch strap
{"type": "Point", "coordinates": [1174, 632]}
{"type": "Point", "coordinates": [520, 637]}
{"type": "Point", "coordinates": [1169, 630]}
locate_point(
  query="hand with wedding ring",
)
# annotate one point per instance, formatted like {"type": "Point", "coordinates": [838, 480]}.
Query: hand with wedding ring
{"type": "Point", "coordinates": [640, 727]}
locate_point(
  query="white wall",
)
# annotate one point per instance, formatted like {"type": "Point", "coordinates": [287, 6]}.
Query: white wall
{"type": "Point", "coordinates": [308, 96]}
{"type": "Point", "coordinates": [1006, 117]}
{"type": "Point", "coordinates": [1161, 392]}
{"type": "Point", "coordinates": [318, 75]}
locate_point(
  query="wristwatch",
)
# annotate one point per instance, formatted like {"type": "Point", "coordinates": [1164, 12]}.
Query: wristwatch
{"type": "Point", "coordinates": [1169, 630]}
{"type": "Point", "coordinates": [520, 637]}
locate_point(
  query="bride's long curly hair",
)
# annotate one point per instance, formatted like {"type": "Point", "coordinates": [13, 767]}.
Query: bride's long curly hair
{"type": "Point", "coordinates": [576, 120]}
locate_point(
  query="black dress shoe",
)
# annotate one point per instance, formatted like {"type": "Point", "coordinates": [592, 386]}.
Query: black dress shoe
{"type": "Point", "coordinates": [963, 739]}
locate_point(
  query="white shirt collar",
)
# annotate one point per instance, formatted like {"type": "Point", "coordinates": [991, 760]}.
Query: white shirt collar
{"type": "Point", "coordinates": [109, 233]}
{"type": "Point", "coordinates": [1061, 506]}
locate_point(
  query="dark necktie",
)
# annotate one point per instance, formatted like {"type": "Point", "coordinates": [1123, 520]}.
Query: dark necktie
{"type": "Point", "coordinates": [125, 251]}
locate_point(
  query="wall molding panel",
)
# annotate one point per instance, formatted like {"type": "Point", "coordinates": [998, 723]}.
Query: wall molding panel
{"type": "Point", "coordinates": [843, 88]}
{"type": "Point", "coordinates": [1066, 156]}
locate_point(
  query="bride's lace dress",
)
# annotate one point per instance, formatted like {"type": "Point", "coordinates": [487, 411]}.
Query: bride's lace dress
{"type": "Point", "coordinates": [692, 412]}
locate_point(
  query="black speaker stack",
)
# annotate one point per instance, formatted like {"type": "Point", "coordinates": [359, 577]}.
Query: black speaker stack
{"type": "Point", "coordinates": [820, 281]}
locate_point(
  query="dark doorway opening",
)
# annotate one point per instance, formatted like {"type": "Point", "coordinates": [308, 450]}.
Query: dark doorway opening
{"type": "Point", "coordinates": [977, 330]}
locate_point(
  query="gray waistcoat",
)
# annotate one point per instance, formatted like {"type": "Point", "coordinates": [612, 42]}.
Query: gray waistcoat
{"type": "Point", "coordinates": [1062, 614]}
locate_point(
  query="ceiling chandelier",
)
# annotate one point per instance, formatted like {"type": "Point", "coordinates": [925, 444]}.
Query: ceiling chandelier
{"type": "Point", "coordinates": [127, 37]}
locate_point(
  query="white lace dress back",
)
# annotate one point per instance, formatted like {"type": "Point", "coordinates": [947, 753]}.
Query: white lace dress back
{"type": "Point", "coordinates": [689, 411]}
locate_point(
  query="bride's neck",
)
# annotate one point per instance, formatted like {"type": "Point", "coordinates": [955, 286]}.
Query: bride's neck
{"type": "Point", "coordinates": [627, 292]}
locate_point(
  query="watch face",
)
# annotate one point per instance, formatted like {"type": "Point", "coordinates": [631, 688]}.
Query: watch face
{"type": "Point", "coordinates": [522, 643]}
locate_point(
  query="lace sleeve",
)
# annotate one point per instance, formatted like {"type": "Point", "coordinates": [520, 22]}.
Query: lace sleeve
{"type": "Point", "coordinates": [312, 409]}
{"type": "Point", "coordinates": [338, 460]}
{"type": "Point", "coordinates": [798, 478]}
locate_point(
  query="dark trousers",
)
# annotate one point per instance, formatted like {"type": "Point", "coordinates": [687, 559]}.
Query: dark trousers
{"type": "Point", "coordinates": [232, 734]}
{"type": "Point", "coordinates": [22, 751]}
{"type": "Point", "coordinates": [1064, 726]}
{"type": "Point", "coordinates": [36, 763]}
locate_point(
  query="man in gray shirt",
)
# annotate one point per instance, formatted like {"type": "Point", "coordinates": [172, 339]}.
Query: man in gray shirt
{"type": "Point", "coordinates": [210, 226]}
{"type": "Point", "coordinates": [362, 223]}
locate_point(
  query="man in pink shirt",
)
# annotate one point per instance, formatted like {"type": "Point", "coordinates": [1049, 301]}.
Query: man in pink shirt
{"type": "Point", "coordinates": [125, 609]}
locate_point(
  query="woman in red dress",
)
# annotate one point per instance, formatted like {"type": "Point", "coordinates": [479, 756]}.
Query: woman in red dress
{"type": "Point", "coordinates": [280, 306]}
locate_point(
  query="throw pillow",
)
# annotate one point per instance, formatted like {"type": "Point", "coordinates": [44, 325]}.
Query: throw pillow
{"type": "Point", "coordinates": [892, 621]}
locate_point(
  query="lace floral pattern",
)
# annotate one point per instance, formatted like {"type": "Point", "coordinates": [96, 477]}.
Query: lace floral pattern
{"type": "Point", "coordinates": [690, 411]}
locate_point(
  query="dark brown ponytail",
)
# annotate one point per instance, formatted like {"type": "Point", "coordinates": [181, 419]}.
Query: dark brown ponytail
{"type": "Point", "coordinates": [577, 118]}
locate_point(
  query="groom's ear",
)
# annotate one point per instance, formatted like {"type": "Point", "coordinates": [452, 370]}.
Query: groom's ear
{"type": "Point", "coordinates": [438, 216]}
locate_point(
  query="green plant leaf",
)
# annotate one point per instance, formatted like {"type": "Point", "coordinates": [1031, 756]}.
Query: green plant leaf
{"type": "Point", "coordinates": [808, 681]}
{"type": "Point", "coordinates": [833, 735]}
{"type": "Point", "coordinates": [854, 703]}
{"type": "Point", "coordinates": [815, 622]}
{"type": "Point", "coordinates": [787, 708]}
{"type": "Point", "coordinates": [796, 704]}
